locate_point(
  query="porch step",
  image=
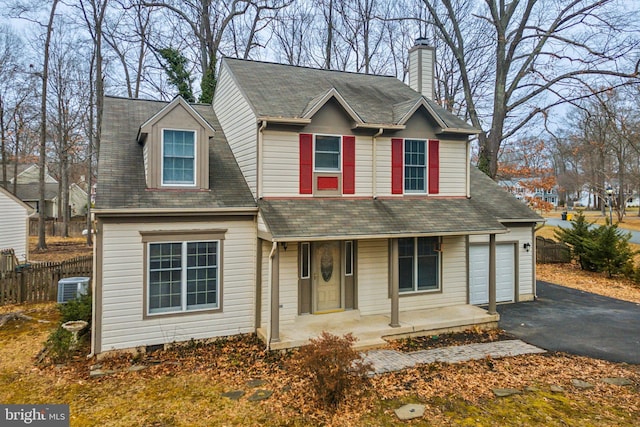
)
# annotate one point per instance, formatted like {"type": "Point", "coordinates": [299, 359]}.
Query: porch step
{"type": "Point", "coordinates": [372, 330]}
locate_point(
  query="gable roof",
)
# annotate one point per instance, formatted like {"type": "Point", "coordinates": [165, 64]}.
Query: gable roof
{"type": "Point", "coordinates": [287, 91]}
{"type": "Point", "coordinates": [178, 100]}
{"type": "Point", "coordinates": [487, 211]}
{"type": "Point", "coordinates": [121, 179]}
{"type": "Point", "coordinates": [31, 192]}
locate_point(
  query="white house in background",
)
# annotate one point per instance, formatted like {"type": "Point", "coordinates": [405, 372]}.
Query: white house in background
{"type": "Point", "coordinates": [303, 200]}
{"type": "Point", "coordinates": [523, 192]}
{"type": "Point", "coordinates": [14, 224]}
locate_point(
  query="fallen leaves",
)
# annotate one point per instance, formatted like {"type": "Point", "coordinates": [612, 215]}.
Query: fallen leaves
{"type": "Point", "coordinates": [570, 275]}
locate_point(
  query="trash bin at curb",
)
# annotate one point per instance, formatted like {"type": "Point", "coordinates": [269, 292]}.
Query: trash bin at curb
{"type": "Point", "coordinates": [563, 215]}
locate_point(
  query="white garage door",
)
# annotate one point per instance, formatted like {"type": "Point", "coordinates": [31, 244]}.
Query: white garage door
{"type": "Point", "coordinates": [479, 273]}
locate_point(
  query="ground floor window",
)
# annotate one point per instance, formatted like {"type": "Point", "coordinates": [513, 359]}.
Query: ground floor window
{"type": "Point", "coordinates": [418, 264]}
{"type": "Point", "coordinates": [183, 276]}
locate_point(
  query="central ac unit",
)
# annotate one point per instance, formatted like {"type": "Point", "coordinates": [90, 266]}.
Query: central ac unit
{"type": "Point", "coordinates": [72, 288]}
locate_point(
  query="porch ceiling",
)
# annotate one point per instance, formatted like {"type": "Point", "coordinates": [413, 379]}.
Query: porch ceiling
{"type": "Point", "coordinates": [370, 329]}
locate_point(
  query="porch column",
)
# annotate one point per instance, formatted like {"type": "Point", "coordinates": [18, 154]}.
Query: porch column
{"type": "Point", "coordinates": [395, 285]}
{"type": "Point", "coordinates": [492, 274]}
{"type": "Point", "coordinates": [275, 295]}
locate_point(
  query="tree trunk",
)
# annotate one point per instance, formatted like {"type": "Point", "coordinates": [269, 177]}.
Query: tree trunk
{"type": "Point", "coordinates": [42, 243]}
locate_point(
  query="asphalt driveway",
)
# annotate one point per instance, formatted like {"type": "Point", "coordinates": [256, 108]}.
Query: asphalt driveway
{"type": "Point", "coordinates": [576, 322]}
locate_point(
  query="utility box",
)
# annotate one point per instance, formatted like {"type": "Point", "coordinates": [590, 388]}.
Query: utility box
{"type": "Point", "coordinates": [71, 288]}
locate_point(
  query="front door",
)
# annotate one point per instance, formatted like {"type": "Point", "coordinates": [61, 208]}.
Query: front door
{"type": "Point", "coordinates": [327, 276]}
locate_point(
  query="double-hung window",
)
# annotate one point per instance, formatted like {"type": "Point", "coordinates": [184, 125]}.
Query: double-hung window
{"type": "Point", "coordinates": [415, 166]}
{"type": "Point", "coordinates": [178, 157]}
{"type": "Point", "coordinates": [418, 264]}
{"type": "Point", "coordinates": [183, 276]}
{"type": "Point", "coordinates": [327, 153]}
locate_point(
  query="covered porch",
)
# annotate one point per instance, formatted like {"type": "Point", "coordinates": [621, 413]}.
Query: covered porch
{"type": "Point", "coordinates": [372, 330]}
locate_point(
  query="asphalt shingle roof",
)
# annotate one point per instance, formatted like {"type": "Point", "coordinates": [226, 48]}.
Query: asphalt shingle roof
{"type": "Point", "coordinates": [287, 91]}
{"type": "Point", "coordinates": [328, 217]}
{"type": "Point", "coordinates": [121, 180]}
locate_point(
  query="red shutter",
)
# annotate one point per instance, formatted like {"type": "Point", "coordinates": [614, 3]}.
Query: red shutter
{"type": "Point", "coordinates": [397, 166]}
{"type": "Point", "coordinates": [434, 166]}
{"type": "Point", "coordinates": [306, 163]}
{"type": "Point", "coordinates": [348, 165]}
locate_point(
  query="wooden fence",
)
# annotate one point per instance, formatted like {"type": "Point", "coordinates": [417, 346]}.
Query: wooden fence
{"type": "Point", "coordinates": [549, 251]}
{"type": "Point", "coordinates": [54, 227]}
{"type": "Point", "coordinates": [39, 282]}
{"type": "Point", "coordinates": [8, 260]}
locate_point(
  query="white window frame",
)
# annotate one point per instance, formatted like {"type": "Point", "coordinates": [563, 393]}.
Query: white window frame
{"type": "Point", "coordinates": [302, 259]}
{"type": "Point", "coordinates": [183, 279]}
{"type": "Point", "coordinates": [414, 289]}
{"type": "Point", "coordinates": [349, 255]}
{"type": "Point", "coordinates": [195, 158]}
{"type": "Point", "coordinates": [340, 154]}
{"type": "Point", "coordinates": [426, 166]}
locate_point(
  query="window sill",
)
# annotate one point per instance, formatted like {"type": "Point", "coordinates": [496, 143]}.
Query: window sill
{"type": "Point", "coordinates": [420, 292]}
{"type": "Point", "coordinates": [149, 316]}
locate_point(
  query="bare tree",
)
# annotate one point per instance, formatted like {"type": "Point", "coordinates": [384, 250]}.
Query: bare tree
{"type": "Point", "coordinates": [543, 50]}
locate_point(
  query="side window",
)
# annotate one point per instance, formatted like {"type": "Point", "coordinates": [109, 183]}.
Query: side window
{"type": "Point", "coordinates": [182, 276]}
{"type": "Point", "coordinates": [418, 264]}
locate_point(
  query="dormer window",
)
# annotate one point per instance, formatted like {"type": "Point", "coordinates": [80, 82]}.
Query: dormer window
{"type": "Point", "coordinates": [327, 153]}
{"type": "Point", "coordinates": [178, 157]}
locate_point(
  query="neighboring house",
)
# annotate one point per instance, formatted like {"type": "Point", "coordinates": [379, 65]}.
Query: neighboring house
{"type": "Point", "coordinates": [30, 194]}
{"type": "Point", "coordinates": [77, 201]}
{"type": "Point", "coordinates": [304, 199]}
{"type": "Point", "coordinates": [523, 192]}
{"type": "Point", "coordinates": [28, 190]}
{"type": "Point", "coordinates": [14, 224]}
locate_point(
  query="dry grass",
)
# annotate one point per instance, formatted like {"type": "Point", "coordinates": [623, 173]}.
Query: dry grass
{"type": "Point", "coordinates": [59, 248]}
{"type": "Point", "coordinates": [183, 387]}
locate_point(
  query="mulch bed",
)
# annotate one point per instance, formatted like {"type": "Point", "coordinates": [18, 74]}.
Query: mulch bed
{"type": "Point", "coordinates": [470, 336]}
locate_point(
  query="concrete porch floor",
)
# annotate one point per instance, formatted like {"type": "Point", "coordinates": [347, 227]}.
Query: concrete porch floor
{"type": "Point", "coordinates": [370, 329]}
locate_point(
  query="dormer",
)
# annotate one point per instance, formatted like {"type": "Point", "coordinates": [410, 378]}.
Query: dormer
{"type": "Point", "coordinates": [176, 148]}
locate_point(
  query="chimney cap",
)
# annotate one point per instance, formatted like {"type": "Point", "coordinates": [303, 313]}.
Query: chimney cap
{"type": "Point", "coordinates": [422, 41]}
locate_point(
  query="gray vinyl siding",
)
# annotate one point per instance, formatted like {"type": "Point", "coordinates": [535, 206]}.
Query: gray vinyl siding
{"type": "Point", "coordinates": [239, 124]}
{"type": "Point", "coordinates": [13, 226]}
{"type": "Point", "coordinates": [123, 325]}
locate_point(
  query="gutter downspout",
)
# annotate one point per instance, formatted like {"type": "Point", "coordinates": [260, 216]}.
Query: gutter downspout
{"type": "Point", "coordinates": [468, 165]}
{"type": "Point", "coordinates": [263, 125]}
{"type": "Point", "coordinates": [375, 161]}
{"type": "Point", "coordinates": [274, 247]}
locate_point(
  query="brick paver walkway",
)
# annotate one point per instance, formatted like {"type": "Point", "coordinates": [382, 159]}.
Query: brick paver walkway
{"type": "Point", "coordinates": [392, 360]}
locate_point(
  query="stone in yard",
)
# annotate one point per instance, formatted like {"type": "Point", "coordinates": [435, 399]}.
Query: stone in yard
{"type": "Point", "coordinates": [256, 383]}
{"type": "Point", "coordinates": [260, 395]}
{"type": "Point", "coordinates": [97, 373]}
{"type": "Point", "coordinates": [410, 411]}
{"type": "Point", "coordinates": [617, 381]}
{"type": "Point", "coordinates": [504, 392]}
{"type": "Point", "coordinates": [532, 388]}
{"type": "Point", "coordinates": [233, 395]}
{"type": "Point", "coordinates": [136, 368]}
{"type": "Point", "coordinates": [581, 384]}
{"type": "Point", "coordinates": [556, 389]}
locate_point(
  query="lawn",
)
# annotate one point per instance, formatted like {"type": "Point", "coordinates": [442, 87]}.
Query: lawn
{"type": "Point", "coordinates": [184, 386]}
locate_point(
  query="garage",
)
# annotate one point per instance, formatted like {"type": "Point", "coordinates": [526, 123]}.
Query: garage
{"type": "Point", "coordinates": [479, 273]}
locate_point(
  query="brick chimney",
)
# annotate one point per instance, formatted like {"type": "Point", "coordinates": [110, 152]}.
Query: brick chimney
{"type": "Point", "coordinates": [421, 67]}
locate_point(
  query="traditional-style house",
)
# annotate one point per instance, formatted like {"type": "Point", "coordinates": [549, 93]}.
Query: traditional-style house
{"type": "Point", "coordinates": [303, 200]}
{"type": "Point", "coordinates": [14, 225]}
